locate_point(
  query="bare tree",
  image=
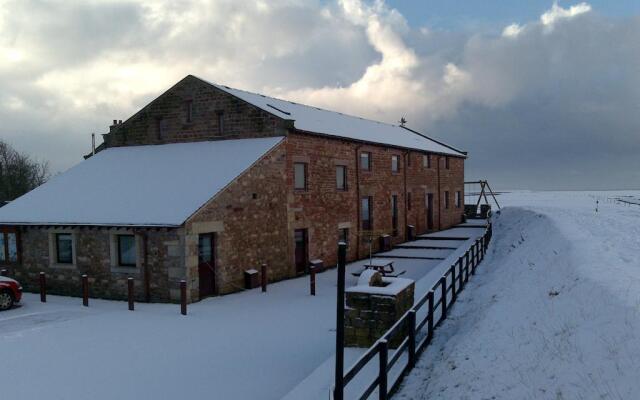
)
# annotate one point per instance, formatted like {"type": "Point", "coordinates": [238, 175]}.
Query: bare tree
{"type": "Point", "coordinates": [19, 173]}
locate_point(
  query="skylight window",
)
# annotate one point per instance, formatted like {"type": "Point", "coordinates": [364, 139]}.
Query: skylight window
{"type": "Point", "coordinates": [277, 109]}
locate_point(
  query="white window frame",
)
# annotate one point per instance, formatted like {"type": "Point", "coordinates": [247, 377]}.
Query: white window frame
{"type": "Point", "coordinates": [113, 252]}
{"type": "Point", "coordinates": [53, 249]}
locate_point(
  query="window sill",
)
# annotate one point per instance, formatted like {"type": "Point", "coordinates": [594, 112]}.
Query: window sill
{"type": "Point", "coordinates": [62, 266]}
{"type": "Point", "coordinates": [125, 270]}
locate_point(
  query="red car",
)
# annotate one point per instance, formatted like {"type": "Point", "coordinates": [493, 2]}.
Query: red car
{"type": "Point", "coordinates": [10, 293]}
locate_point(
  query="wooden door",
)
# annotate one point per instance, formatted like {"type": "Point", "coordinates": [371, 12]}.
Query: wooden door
{"type": "Point", "coordinates": [302, 251]}
{"type": "Point", "coordinates": [207, 264]}
{"type": "Point", "coordinates": [429, 204]}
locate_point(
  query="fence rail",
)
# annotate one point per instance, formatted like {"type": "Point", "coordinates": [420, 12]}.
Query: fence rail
{"type": "Point", "coordinates": [417, 339]}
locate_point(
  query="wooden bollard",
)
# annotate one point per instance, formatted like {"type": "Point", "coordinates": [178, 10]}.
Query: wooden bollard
{"type": "Point", "coordinates": [85, 290]}
{"type": "Point", "coordinates": [263, 277]}
{"type": "Point", "coordinates": [130, 284]}
{"type": "Point", "coordinates": [183, 297]}
{"type": "Point", "coordinates": [43, 287]}
{"type": "Point", "coordinates": [312, 280]}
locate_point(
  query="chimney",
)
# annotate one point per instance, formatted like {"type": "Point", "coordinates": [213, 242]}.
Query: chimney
{"type": "Point", "coordinates": [115, 122]}
{"type": "Point", "coordinates": [119, 122]}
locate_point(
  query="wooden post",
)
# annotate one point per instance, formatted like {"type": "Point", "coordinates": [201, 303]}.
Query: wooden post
{"type": "Point", "coordinates": [473, 260]}
{"type": "Point", "coordinates": [430, 316]}
{"type": "Point", "coordinates": [383, 350]}
{"type": "Point", "coordinates": [85, 290]}
{"type": "Point", "coordinates": [130, 293]}
{"type": "Point", "coordinates": [183, 297]}
{"type": "Point", "coordinates": [443, 285]}
{"type": "Point", "coordinates": [263, 277]}
{"type": "Point", "coordinates": [454, 294]}
{"type": "Point", "coordinates": [466, 266]}
{"type": "Point", "coordinates": [460, 274]}
{"type": "Point", "coordinates": [312, 280]}
{"type": "Point", "coordinates": [43, 287]}
{"type": "Point", "coordinates": [338, 393]}
{"type": "Point", "coordinates": [412, 338]}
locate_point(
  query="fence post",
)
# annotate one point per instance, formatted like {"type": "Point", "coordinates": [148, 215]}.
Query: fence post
{"type": "Point", "coordinates": [460, 274]}
{"type": "Point", "coordinates": [477, 251]}
{"type": "Point", "coordinates": [85, 290]}
{"type": "Point", "coordinates": [412, 338]}
{"type": "Point", "coordinates": [430, 316]}
{"type": "Point", "coordinates": [454, 294]}
{"type": "Point", "coordinates": [466, 266]}
{"type": "Point", "coordinates": [130, 293]}
{"type": "Point", "coordinates": [263, 277]}
{"type": "Point", "coordinates": [481, 248]}
{"type": "Point", "coordinates": [338, 392]}
{"type": "Point", "coordinates": [183, 297]}
{"type": "Point", "coordinates": [443, 285]}
{"type": "Point", "coordinates": [43, 287]}
{"type": "Point", "coordinates": [312, 280]}
{"type": "Point", "coordinates": [383, 349]}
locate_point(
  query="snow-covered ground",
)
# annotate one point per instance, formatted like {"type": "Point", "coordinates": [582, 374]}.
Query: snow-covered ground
{"type": "Point", "coordinates": [247, 345]}
{"type": "Point", "coordinates": [554, 311]}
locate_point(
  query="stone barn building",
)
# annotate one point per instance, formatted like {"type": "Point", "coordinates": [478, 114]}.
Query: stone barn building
{"type": "Point", "coordinates": [206, 182]}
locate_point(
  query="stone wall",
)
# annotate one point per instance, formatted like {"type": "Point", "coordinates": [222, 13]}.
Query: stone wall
{"type": "Point", "coordinates": [165, 119]}
{"type": "Point", "coordinates": [369, 315]}
{"type": "Point", "coordinates": [250, 221]}
{"type": "Point", "coordinates": [93, 257]}
{"type": "Point", "coordinates": [323, 210]}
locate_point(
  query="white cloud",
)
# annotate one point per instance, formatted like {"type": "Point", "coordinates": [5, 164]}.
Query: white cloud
{"type": "Point", "coordinates": [558, 13]}
{"type": "Point", "coordinates": [512, 30]}
{"type": "Point", "coordinates": [69, 68]}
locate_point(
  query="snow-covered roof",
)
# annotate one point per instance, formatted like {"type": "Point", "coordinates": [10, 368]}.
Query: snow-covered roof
{"type": "Point", "coordinates": [156, 185]}
{"type": "Point", "coordinates": [317, 120]}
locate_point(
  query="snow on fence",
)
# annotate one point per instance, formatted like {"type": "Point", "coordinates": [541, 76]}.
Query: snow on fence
{"type": "Point", "coordinates": [435, 311]}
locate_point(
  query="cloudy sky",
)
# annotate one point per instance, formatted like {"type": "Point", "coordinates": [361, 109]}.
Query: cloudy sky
{"type": "Point", "coordinates": [543, 95]}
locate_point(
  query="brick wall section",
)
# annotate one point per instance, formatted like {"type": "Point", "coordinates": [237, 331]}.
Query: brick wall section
{"type": "Point", "coordinates": [93, 255]}
{"type": "Point", "coordinates": [240, 119]}
{"type": "Point", "coordinates": [322, 208]}
{"type": "Point", "coordinates": [452, 180]}
{"type": "Point", "coordinates": [251, 230]}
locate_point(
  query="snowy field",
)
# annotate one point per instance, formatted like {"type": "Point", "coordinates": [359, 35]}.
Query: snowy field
{"type": "Point", "coordinates": [247, 345]}
{"type": "Point", "coordinates": [554, 312]}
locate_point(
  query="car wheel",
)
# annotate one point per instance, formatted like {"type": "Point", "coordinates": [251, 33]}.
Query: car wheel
{"type": "Point", "coordinates": [6, 300]}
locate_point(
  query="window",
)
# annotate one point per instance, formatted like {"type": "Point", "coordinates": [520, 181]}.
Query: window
{"type": "Point", "coordinates": [395, 163]}
{"type": "Point", "coordinates": [394, 214]}
{"type": "Point", "coordinates": [8, 247]}
{"type": "Point", "coordinates": [188, 106]}
{"type": "Point", "coordinates": [161, 127]}
{"type": "Point", "coordinates": [408, 200]}
{"type": "Point", "coordinates": [341, 177]}
{"type": "Point", "coordinates": [64, 248]}
{"type": "Point", "coordinates": [220, 115]}
{"type": "Point", "coordinates": [446, 162]}
{"type": "Point", "coordinates": [446, 199]}
{"type": "Point", "coordinates": [127, 250]}
{"type": "Point", "coordinates": [367, 214]}
{"type": "Point", "coordinates": [343, 236]}
{"type": "Point", "coordinates": [300, 176]}
{"type": "Point", "coordinates": [365, 161]}
{"type": "Point", "coordinates": [458, 199]}
{"type": "Point", "coordinates": [426, 161]}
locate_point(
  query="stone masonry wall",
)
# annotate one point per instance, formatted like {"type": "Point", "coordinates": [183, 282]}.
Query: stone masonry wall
{"type": "Point", "coordinates": [323, 210]}
{"type": "Point", "coordinates": [93, 257]}
{"type": "Point", "coordinates": [165, 119]}
{"type": "Point", "coordinates": [250, 222]}
{"type": "Point", "coordinates": [368, 316]}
